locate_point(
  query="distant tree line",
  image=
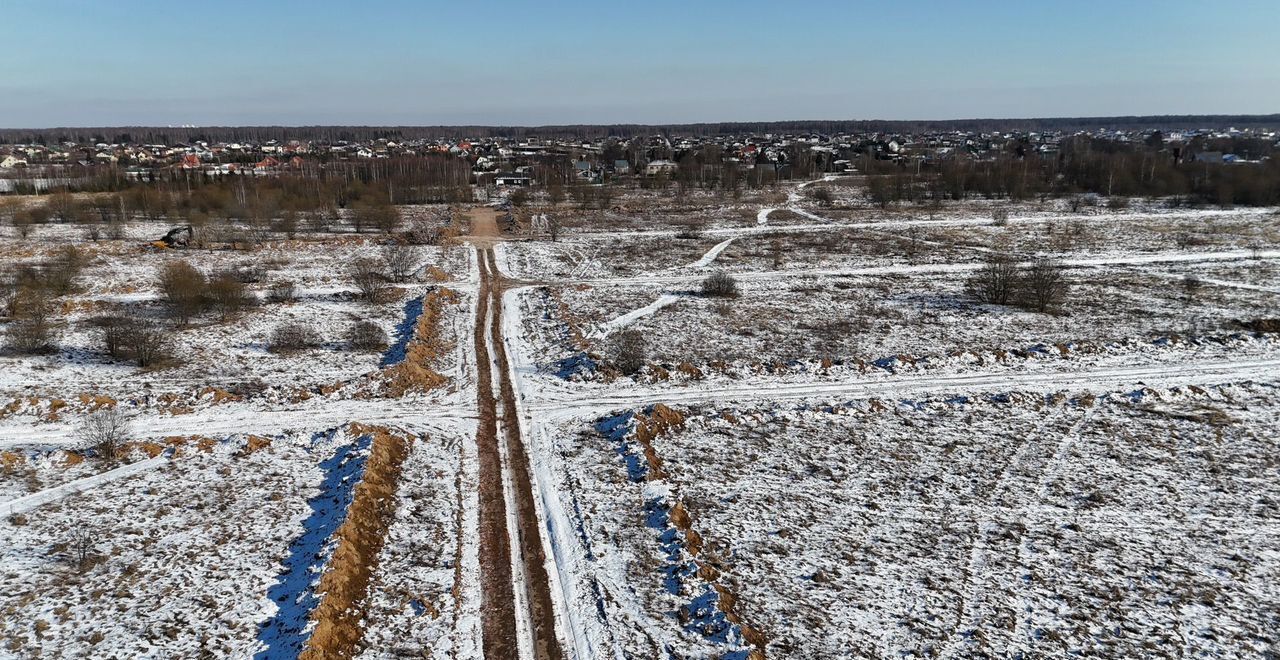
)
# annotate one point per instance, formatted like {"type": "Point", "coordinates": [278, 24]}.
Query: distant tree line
{"type": "Point", "coordinates": [174, 135]}
{"type": "Point", "coordinates": [1083, 165]}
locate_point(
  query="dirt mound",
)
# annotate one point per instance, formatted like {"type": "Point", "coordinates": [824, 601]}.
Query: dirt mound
{"type": "Point", "coordinates": [415, 372]}
{"type": "Point", "coordinates": [345, 584]}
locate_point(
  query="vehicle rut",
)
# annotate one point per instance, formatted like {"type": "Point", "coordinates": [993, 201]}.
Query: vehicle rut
{"type": "Point", "coordinates": [500, 630]}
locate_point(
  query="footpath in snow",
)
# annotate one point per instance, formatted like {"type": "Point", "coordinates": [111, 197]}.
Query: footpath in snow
{"type": "Point", "coordinates": [28, 502]}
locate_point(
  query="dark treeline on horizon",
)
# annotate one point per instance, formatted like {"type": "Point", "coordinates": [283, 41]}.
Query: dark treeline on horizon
{"type": "Point", "coordinates": [174, 135]}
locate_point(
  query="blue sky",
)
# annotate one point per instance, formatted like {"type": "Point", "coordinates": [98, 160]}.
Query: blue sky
{"type": "Point", "coordinates": [119, 62]}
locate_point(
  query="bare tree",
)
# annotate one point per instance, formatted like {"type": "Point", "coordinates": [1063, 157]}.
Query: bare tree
{"type": "Point", "coordinates": [84, 548]}
{"type": "Point", "coordinates": [368, 278]}
{"type": "Point", "coordinates": [105, 431]}
{"type": "Point", "coordinates": [1043, 286]}
{"type": "Point", "coordinates": [401, 261]}
{"type": "Point", "coordinates": [994, 282]}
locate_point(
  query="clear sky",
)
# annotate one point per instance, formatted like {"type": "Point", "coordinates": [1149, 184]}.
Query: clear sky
{"type": "Point", "coordinates": [223, 62]}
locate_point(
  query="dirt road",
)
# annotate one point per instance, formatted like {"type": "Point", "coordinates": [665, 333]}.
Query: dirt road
{"type": "Point", "coordinates": [502, 618]}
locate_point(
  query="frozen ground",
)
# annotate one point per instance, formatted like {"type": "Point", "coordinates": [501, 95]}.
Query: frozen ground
{"type": "Point", "coordinates": [1126, 525]}
{"type": "Point", "coordinates": [858, 459]}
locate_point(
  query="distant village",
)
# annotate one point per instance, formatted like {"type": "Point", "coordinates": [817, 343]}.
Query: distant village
{"type": "Point", "coordinates": [510, 162]}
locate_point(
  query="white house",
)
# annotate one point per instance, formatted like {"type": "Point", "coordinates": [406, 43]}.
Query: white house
{"type": "Point", "coordinates": [660, 167]}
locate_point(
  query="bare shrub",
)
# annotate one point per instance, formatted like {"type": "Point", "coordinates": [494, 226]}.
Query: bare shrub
{"type": "Point", "coordinates": [630, 351]}
{"type": "Point", "coordinates": [375, 214]}
{"type": "Point", "coordinates": [248, 273]}
{"type": "Point", "coordinates": [720, 285]}
{"type": "Point", "coordinates": [31, 336]}
{"type": "Point", "coordinates": [1117, 203]}
{"type": "Point", "coordinates": [690, 229]}
{"type": "Point", "coordinates": [61, 273]}
{"type": "Point", "coordinates": [282, 292]}
{"type": "Point", "coordinates": [822, 195]}
{"type": "Point", "coordinates": [105, 431]}
{"type": "Point", "coordinates": [83, 548]}
{"type": "Point", "coordinates": [23, 222]}
{"type": "Point", "coordinates": [286, 224]}
{"type": "Point", "coordinates": [1043, 285]}
{"type": "Point", "coordinates": [423, 233]}
{"type": "Point", "coordinates": [114, 330]}
{"type": "Point", "coordinates": [31, 307]}
{"type": "Point", "coordinates": [321, 220]}
{"type": "Point", "coordinates": [1000, 216]}
{"type": "Point", "coordinates": [148, 343]}
{"type": "Point", "coordinates": [184, 288]}
{"type": "Point", "coordinates": [776, 253]}
{"type": "Point", "coordinates": [366, 336]}
{"type": "Point", "coordinates": [290, 337]}
{"type": "Point", "coordinates": [401, 261]}
{"type": "Point", "coordinates": [228, 295]}
{"type": "Point", "coordinates": [368, 278]}
{"type": "Point", "coordinates": [1190, 287]}
{"type": "Point", "coordinates": [994, 283]}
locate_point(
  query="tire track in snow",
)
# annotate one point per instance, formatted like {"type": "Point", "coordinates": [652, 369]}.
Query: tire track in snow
{"type": "Point", "coordinates": [609, 327]}
{"type": "Point", "coordinates": [1056, 380]}
{"type": "Point", "coordinates": [944, 268]}
{"type": "Point", "coordinates": [706, 260]}
{"type": "Point", "coordinates": [525, 571]}
{"type": "Point", "coordinates": [39, 498]}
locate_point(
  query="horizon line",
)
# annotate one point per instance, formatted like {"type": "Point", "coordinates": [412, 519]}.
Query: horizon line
{"type": "Point", "coordinates": [1252, 117]}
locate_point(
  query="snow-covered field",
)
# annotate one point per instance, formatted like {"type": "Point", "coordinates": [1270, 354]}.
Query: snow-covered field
{"type": "Point", "coordinates": [1125, 525]}
{"type": "Point", "coordinates": [853, 458]}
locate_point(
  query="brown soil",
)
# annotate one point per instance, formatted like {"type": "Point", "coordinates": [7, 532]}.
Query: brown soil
{"type": "Point", "coordinates": [498, 629]}
{"type": "Point", "coordinates": [345, 585]}
{"type": "Point", "coordinates": [484, 227]}
{"type": "Point", "coordinates": [498, 626]}
{"type": "Point", "coordinates": [541, 607]}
